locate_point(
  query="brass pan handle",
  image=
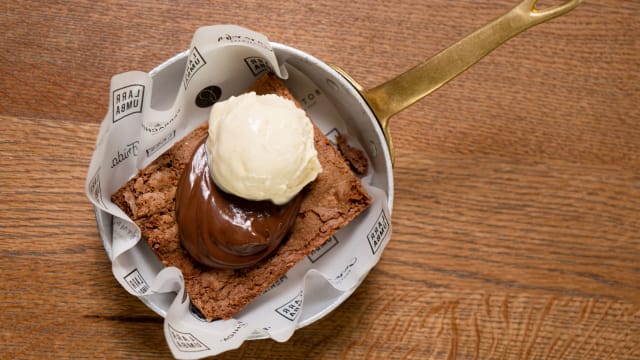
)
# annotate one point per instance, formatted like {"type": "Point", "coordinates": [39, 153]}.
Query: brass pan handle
{"type": "Point", "coordinates": [404, 90]}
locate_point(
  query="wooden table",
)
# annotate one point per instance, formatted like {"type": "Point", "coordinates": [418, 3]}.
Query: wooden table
{"type": "Point", "coordinates": [516, 223]}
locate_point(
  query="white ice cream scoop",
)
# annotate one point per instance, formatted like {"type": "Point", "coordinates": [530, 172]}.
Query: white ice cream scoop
{"type": "Point", "coordinates": [261, 147]}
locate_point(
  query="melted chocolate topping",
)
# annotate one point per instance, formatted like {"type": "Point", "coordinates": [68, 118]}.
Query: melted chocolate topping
{"type": "Point", "coordinates": [223, 230]}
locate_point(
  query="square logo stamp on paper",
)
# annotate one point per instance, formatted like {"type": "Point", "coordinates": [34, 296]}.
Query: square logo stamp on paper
{"type": "Point", "coordinates": [127, 101]}
{"type": "Point", "coordinates": [185, 341]}
{"type": "Point", "coordinates": [257, 65]}
{"type": "Point", "coordinates": [136, 281]}
{"type": "Point", "coordinates": [291, 308]}
{"type": "Point", "coordinates": [316, 254]}
{"type": "Point", "coordinates": [195, 62]}
{"type": "Point", "coordinates": [378, 232]}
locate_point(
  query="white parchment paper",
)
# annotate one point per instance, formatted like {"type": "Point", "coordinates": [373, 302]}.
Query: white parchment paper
{"type": "Point", "coordinates": [146, 116]}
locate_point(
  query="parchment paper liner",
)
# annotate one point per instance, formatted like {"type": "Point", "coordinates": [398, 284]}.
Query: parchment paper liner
{"type": "Point", "coordinates": [148, 113]}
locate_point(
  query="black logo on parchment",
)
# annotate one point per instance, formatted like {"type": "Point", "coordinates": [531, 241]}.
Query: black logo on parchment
{"type": "Point", "coordinates": [244, 39]}
{"type": "Point", "coordinates": [123, 154]}
{"type": "Point", "coordinates": [136, 282]}
{"type": "Point", "coordinates": [195, 62]}
{"type": "Point", "coordinates": [234, 332]}
{"type": "Point", "coordinates": [378, 232]}
{"type": "Point", "coordinates": [185, 341]}
{"type": "Point", "coordinates": [291, 308]}
{"type": "Point", "coordinates": [309, 99]}
{"type": "Point", "coordinates": [123, 229]}
{"type": "Point", "coordinates": [277, 283]}
{"type": "Point", "coordinates": [161, 143]}
{"type": "Point", "coordinates": [346, 271]}
{"type": "Point", "coordinates": [257, 65]}
{"type": "Point", "coordinates": [208, 96]}
{"type": "Point", "coordinates": [157, 127]}
{"type": "Point", "coordinates": [95, 189]}
{"type": "Point", "coordinates": [316, 254]}
{"type": "Point", "coordinates": [127, 100]}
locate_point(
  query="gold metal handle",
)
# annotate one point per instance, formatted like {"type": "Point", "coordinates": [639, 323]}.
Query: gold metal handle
{"type": "Point", "coordinates": [404, 90]}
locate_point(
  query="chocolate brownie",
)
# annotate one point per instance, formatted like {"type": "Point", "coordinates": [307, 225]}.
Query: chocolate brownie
{"type": "Point", "coordinates": [330, 202]}
{"type": "Point", "coordinates": [355, 157]}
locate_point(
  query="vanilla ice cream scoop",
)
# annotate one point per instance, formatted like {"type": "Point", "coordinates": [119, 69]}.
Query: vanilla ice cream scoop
{"type": "Point", "coordinates": [261, 147]}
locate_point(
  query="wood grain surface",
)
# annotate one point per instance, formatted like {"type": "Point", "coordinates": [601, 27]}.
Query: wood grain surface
{"type": "Point", "coordinates": [516, 222]}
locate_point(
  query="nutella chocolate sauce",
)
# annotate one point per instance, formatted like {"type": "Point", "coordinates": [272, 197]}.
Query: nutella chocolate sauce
{"type": "Point", "coordinates": [222, 230]}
